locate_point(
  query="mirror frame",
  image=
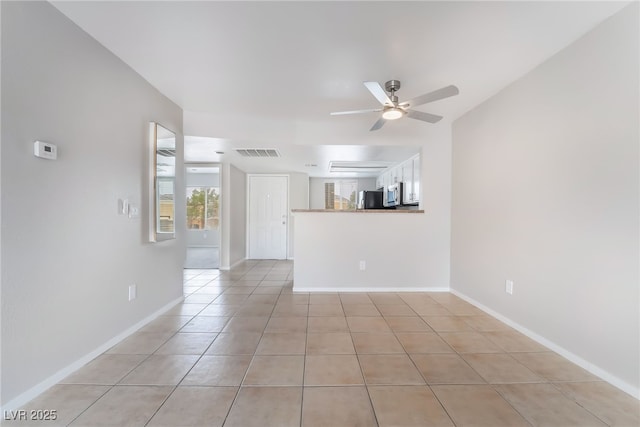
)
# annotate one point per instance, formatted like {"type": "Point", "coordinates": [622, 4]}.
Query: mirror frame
{"type": "Point", "coordinates": [156, 132]}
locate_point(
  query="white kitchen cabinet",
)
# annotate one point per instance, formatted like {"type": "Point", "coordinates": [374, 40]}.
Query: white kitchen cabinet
{"type": "Point", "coordinates": [406, 169]}
{"type": "Point", "coordinates": [416, 178]}
{"type": "Point", "coordinates": [407, 172]}
{"type": "Point", "coordinates": [395, 175]}
{"type": "Point", "coordinates": [409, 195]}
{"type": "Point", "coordinates": [410, 176]}
{"type": "Point", "coordinates": [386, 179]}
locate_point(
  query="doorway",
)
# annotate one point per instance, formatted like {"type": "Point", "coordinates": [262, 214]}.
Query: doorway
{"type": "Point", "coordinates": [268, 216]}
{"type": "Point", "coordinates": [203, 216]}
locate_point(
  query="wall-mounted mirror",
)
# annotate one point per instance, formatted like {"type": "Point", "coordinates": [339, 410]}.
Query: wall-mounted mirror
{"type": "Point", "coordinates": [162, 195]}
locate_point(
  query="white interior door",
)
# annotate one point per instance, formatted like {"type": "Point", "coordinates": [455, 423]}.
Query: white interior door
{"type": "Point", "coordinates": [268, 216]}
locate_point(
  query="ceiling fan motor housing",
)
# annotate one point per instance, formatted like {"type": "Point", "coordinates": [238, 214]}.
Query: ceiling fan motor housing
{"type": "Point", "coordinates": [392, 86]}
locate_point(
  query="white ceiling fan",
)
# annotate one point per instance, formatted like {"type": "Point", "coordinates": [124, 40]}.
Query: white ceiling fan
{"type": "Point", "coordinates": [392, 109]}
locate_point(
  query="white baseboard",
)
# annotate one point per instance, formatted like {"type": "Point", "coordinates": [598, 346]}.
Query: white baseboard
{"type": "Point", "coordinates": [43, 386]}
{"type": "Point", "coordinates": [313, 289]}
{"type": "Point", "coordinates": [595, 370]}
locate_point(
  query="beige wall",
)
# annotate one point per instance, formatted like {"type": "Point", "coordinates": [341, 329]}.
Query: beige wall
{"type": "Point", "coordinates": [546, 193]}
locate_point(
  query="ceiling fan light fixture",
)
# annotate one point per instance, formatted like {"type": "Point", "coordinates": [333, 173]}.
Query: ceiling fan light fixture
{"type": "Point", "coordinates": [392, 113]}
{"type": "Point", "coordinates": [392, 109]}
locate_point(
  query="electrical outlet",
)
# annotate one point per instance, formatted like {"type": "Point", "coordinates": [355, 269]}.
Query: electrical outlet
{"type": "Point", "coordinates": [363, 265]}
{"type": "Point", "coordinates": [508, 287]}
{"type": "Point", "coordinates": [133, 292]}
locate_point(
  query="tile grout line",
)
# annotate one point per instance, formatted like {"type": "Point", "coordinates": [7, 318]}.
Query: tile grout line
{"type": "Point", "coordinates": [364, 380]}
{"type": "Point", "coordinates": [571, 399]}
{"type": "Point", "coordinates": [284, 290]}
{"type": "Point", "coordinates": [464, 361]}
{"type": "Point", "coordinates": [235, 397]}
{"type": "Point", "coordinates": [304, 368]}
{"type": "Point", "coordinates": [233, 402]}
{"type": "Point", "coordinates": [511, 405]}
{"type": "Point", "coordinates": [93, 403]}
{"type": "Point", "coordinates": [194, 364]}
{"type": "Point", "coordinates": [175, 387]}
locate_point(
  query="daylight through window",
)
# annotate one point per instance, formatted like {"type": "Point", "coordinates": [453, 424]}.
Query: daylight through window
{"type": "Point", "coordinates": [202, 208]}
{"type": "Point", "coordinates": [340, 194]}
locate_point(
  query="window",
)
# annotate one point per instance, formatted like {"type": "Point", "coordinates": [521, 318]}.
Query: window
{"type": "Point", "coordinates": [340, 194]}
{"type": "Point", "coordinates": [202, 208]}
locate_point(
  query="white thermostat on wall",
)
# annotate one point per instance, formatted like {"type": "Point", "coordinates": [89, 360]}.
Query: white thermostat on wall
{"type": "Point", "coordinates": [45, 150]}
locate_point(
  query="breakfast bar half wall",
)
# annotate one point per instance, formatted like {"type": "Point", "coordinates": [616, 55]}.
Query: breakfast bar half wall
{"type": "Point", "coordinates": [367, 251]}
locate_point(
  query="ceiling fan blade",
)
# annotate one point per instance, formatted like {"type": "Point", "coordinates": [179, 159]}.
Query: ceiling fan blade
{"type": "Point", "coordinates": [377, 91]}
{"type": "Point", "coordinates": [445, 92]}
{"type": "Point", "coordinates": [370, 110]}
{"type": "Point", "coordinates": [425, 117]}
{"type": "Point", "coordinates": [377, 125]}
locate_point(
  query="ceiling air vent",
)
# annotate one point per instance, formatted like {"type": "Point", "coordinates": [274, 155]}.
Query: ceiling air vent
{"type": "Point", "coordinates": [258, 152]}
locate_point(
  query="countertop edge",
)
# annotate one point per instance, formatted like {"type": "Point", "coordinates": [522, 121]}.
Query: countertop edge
{"type": "Point", "coordinates": [360, 211]}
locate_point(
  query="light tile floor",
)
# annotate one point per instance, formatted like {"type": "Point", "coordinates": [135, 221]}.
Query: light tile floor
{"type": "Point", "coordinates": [243, 350]}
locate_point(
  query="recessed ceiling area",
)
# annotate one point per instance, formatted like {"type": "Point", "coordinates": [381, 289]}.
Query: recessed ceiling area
{"type": "Point", "coordinates": [202, 169]}
{"type": "Point", "coordinates": [363, 167]}
{"type": "Point", "coordinates": [314, 160]}
{"type": "Point", "coordinates": [267, 74]}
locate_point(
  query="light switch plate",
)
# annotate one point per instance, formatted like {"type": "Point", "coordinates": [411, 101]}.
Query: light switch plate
{"type": "Point", "coordinates": [123, 207]}
{"type": "Point", "coordinates": [508, 287]}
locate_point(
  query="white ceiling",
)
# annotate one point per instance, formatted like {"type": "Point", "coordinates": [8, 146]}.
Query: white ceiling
{"type": "Point", "coordinates": [267, 74]}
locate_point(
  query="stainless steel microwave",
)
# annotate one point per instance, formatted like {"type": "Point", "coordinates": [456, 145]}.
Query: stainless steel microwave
{"type": "Point", "coordinates": [393, 195]}
{"type": "Point", "coordinates": [370, 200]}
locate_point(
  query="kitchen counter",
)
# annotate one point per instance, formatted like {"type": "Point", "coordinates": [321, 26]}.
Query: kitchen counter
{"type": "Point", "coordinates": [388, 251]}
{"type": "Point", "coordinates": [391, 211]}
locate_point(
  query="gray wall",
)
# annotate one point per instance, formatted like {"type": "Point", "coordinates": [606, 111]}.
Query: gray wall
{"type": "Point", "coordinates": [546, 193]}
{"type": "Point", "coordinates": [67, 256]}
{"type": "Point", "coordinates": [298, 199]}
{"type": "Point", "coordinates": [238, 213]}
{"type": "Point", "coordinates": [330, 247]}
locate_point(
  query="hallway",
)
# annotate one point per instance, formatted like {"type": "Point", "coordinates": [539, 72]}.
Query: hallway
{"type": "Point", "coordinates": [202, 258]}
